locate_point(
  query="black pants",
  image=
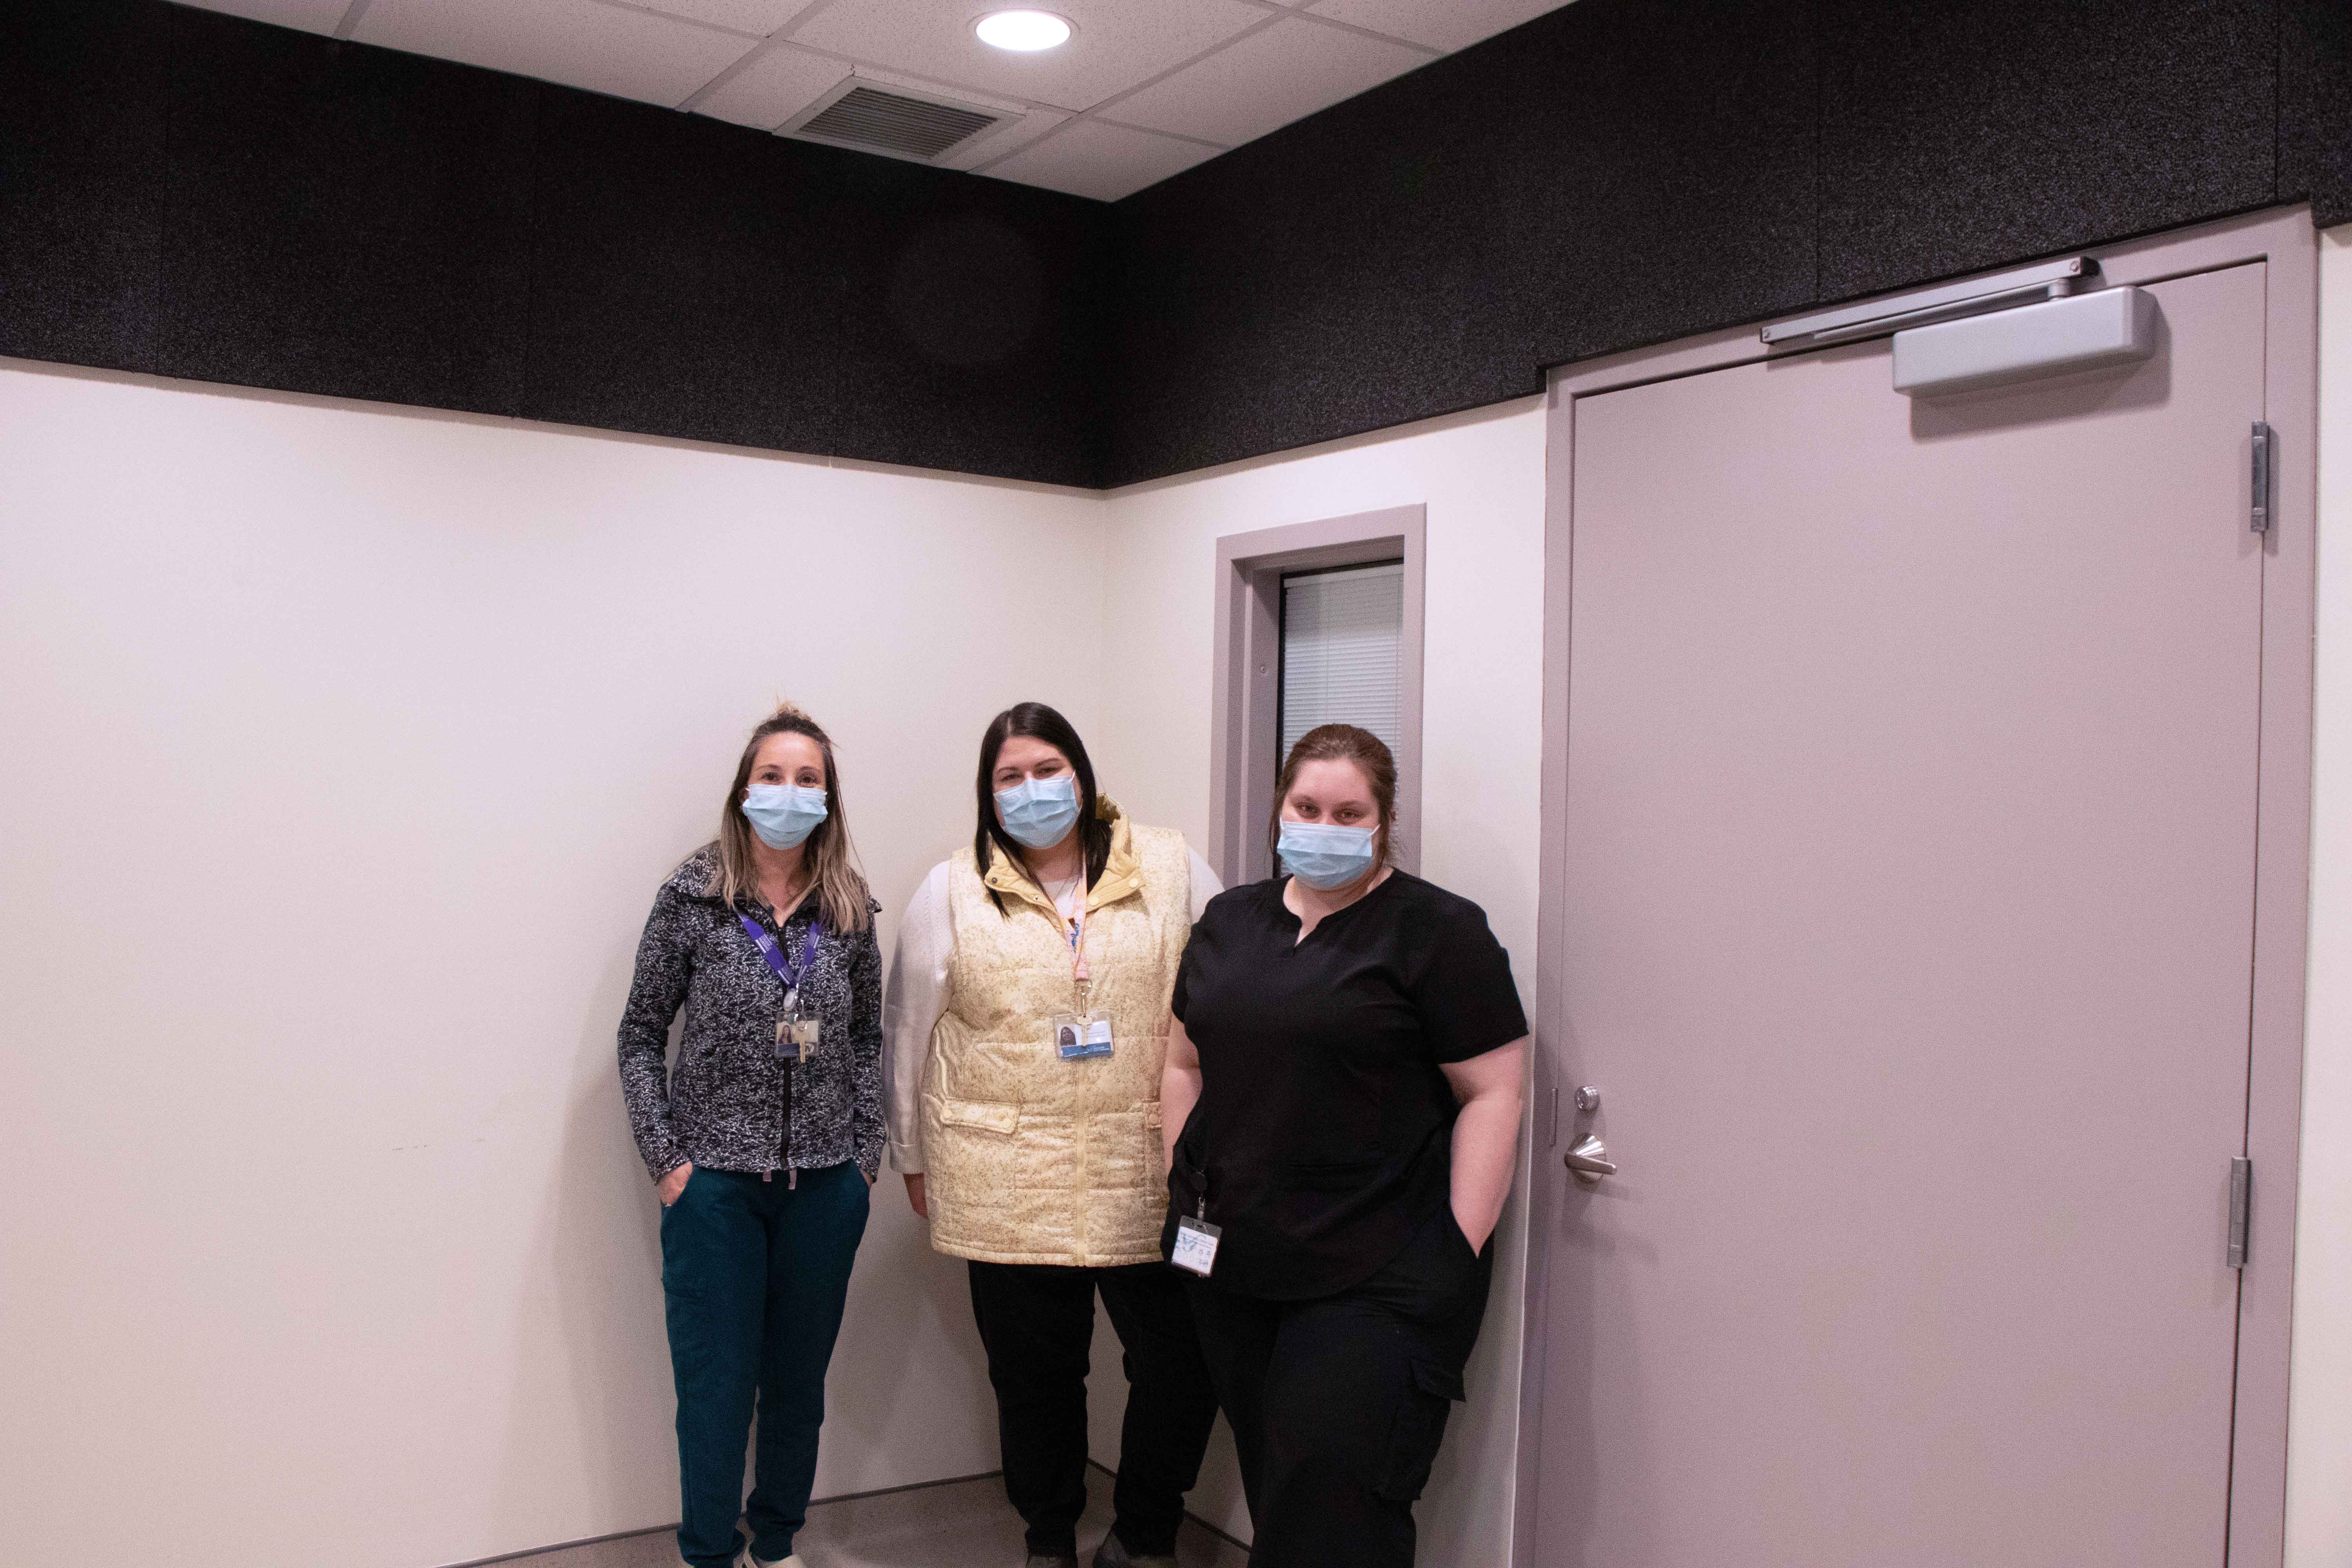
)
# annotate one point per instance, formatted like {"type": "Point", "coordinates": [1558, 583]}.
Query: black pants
{"type": "Point", "coordinates": [1337, 1403]}
{"type": "Point", "coordinates": [1037, 1324]}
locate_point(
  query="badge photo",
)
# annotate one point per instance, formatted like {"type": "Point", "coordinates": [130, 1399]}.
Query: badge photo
{"type": "Point", "coordinates": [1082, 1037]}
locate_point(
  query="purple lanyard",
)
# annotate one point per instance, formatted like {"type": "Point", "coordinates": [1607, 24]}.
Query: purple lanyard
{"type": "Point", "coordinates": [789, 973]}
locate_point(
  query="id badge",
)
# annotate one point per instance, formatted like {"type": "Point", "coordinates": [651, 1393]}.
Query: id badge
{"type": "Point", "coordinates": [1196, 1245]}
{"type": "Point", "coordinates": [797, 1032]}
{"type": "Point", "coordinates": [1081, 1036]}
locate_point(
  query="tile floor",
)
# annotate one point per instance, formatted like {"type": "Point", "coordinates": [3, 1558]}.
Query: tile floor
{"type": "Point", "coordinates": [955, 1524]}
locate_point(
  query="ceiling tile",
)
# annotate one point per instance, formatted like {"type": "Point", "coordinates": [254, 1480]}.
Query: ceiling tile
{"type": "Point", "coordinates": [1440, 24]}
{"type": "Point", "coordinates": [577, 42]}
{"type": "Point", "coordinates": [1105, 162]}
{"type": "Point", "coordinates": [1119, 43]}
{"type": "Point", "coordinates": [1005, 139]}
{"type": "Point", "coordinates": [774, 88]}
{"type": "Point", "coordinates": [760, 17]}
{"type": "Point", "coordinates": [1266, 81]}
{"type": "Point", "coordinates": [310, 16]}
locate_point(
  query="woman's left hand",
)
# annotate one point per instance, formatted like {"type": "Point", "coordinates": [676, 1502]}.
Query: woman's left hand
{"type": "Point", "coordinates": [1486, 1136]}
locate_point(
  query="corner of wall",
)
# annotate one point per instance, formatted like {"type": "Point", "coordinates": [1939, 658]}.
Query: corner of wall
{"type": "Point", "coordinates": [2319, 1433]}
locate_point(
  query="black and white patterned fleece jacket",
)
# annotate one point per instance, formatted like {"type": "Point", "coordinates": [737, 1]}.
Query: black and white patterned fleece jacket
{"type": "Point", "coordinates": [723, 1105]}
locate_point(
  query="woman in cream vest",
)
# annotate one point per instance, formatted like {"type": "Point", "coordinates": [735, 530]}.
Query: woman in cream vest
{"type": "Point", "coordinates": [1027, 1018]}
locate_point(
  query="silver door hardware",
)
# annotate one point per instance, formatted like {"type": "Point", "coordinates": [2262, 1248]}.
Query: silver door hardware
{"type": "Point", "coordinates": [1585, 1158]}
{"type": "Point", "coordinates": [2099, 330]}
{"type": "Point", "coordinates": [1587, 1099]}
{"type": "Point", "coordinates": [2242, 1207]}
{"type": "Point", "coordinates": [2265, 449]}
{"type": "Point", "coordinates": [2049, 281]}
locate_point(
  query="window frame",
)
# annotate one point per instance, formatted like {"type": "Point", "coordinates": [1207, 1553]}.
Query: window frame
{"type": "Point", "coordinates": [1245, 737]}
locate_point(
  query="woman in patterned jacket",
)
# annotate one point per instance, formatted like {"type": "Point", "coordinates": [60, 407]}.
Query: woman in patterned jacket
{"type": "Point", "coordinates": [763, 1140]}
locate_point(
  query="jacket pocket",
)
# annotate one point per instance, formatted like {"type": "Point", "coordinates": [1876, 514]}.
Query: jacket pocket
{"type": "Point", "coordinates": [1428, 1400]}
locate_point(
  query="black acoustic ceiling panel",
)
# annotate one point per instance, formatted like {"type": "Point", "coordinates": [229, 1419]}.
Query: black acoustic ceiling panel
{"type": "Point", "coordinates": [684, 281]}
{"type": "Point", "coordinates": [1662, 170]}
{"type": "Point", "coordinates": [973, 319]}
{"type": "Point", "coordinates": [2315, 107]}
{"type": "Point", "coordinates": [343, 220]}
{"type": "Point", "coordinates": [1958, 134]}
{"type": "Point", "coordinates": [81, 138]}
{"type": "Point", "coordinates": [1613, 173]}
{"type": "Point", "coordinates": [695, 279]}
{"type": "Point", "coordinates": [1338, 276]}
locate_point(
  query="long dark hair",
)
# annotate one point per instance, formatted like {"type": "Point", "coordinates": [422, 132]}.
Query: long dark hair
{"type": "Point", "coordinates": [1039, 723]}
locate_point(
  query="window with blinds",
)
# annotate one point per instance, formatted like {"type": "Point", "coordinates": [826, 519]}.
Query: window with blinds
{"type": "Point", "coordinates": [1342, 632]}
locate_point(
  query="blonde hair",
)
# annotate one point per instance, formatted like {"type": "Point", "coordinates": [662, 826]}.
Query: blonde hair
{"type": "Point", "coordinates": [842, 894]}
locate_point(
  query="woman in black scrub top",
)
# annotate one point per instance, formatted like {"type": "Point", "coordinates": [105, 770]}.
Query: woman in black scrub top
{"type": "Point", "coordinates": [1346, 1070]}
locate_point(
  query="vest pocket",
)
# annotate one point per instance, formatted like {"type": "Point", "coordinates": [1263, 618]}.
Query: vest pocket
{"type": "Point", "coordinates": [972, 1162]}
{"type": "Point", "coordinates": [982, 1114]}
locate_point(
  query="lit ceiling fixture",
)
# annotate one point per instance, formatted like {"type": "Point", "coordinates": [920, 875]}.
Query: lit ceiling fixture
{"type": "Point", "coordinates": [1024, 32]}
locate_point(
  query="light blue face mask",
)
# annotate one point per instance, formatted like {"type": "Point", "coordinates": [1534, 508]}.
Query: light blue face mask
{"type": "Point", "coordinates": [783, 814]}
{"type": "Point", "coordinates": [1325, 855]}
{"type": "Point", "coordinates": [1038, 812]}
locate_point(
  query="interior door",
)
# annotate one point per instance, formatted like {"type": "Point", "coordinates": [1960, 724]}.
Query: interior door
{"type": "Point", "coordinates": [1910, 863]}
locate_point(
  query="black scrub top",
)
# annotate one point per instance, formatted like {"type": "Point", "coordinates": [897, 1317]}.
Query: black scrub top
{"type": "Point", "coordinates": [1323, 1135]}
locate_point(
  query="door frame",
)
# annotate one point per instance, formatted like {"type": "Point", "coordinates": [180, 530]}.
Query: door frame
{"type": "Point", "coordinates": [2285, 239]}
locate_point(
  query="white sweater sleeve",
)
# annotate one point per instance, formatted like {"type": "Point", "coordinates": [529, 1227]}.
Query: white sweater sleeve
{"type": "Point", "coordinates": [910, 1006]}
{"type": "Point", "coordinates": [1205, 885]}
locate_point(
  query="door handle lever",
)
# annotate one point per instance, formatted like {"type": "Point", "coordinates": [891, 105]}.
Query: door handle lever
{"type": "Point", "coordinates": [1584, 1158]}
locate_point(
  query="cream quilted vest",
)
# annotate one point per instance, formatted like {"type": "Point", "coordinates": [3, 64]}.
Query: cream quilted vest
{"type": "Point", "coordinates": [1031, 1159]}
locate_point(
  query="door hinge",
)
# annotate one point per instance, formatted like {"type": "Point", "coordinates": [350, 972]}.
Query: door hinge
{"type": "Point", "coordinates": [2241, 1208]}
{"type": "Point", "coordinates": [2266, 465]}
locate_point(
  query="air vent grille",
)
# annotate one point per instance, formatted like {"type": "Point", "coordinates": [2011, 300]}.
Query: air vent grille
{"type": "Point", "coordinates": [911, 126]}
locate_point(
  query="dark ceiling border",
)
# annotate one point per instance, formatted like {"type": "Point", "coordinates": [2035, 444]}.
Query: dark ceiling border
{"type": "Point", "coordinates": [1621, 173]}
{"type": "Point", "coordinates": [192, 194]}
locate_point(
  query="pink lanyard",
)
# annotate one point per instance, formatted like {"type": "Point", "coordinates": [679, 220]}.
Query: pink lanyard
{"type": "Point", "coordinates": [1077, 935]}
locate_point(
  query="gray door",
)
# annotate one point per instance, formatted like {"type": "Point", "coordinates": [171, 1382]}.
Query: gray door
{"type": "Point", "coordinates": [1911, 789]}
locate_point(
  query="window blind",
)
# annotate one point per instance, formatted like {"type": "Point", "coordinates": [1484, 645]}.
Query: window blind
{"type": "Point", "coordinates": [1341, 632]}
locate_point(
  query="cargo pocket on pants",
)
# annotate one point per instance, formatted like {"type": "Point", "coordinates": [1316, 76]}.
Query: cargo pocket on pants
{"type": "Point", "coordinates": [1420, 1427]}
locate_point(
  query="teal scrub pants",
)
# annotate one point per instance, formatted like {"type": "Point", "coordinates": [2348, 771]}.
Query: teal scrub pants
{"type": "Point", "coordinates": [754, 1274]}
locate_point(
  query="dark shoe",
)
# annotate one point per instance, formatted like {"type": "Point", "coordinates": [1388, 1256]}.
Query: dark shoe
{"type": "Point", "coordinates": [1113, 1553]}
{"type": "Point", "coordinates": [1041, 1560]}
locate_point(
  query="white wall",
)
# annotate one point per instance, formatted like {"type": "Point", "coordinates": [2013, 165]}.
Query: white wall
{"type": "Point", "coordinates": [1481, 476]}
{"type": "Point", "coordinates": [345, 747]}
{"type": "Point", "coordinates": [2319, 1443]}
{"type": "Point", "coordinates": [342, 749]}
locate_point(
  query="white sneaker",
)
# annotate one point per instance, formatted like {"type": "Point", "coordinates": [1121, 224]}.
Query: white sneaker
{"type": "Point", "coordinates": [748, 1561]}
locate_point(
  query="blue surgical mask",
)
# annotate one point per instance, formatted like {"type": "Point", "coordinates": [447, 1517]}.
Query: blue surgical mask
{"type": "Point", "coordinates": [783, 814]}
{"type": "Point", "coordinates": [1038, 812]}
{"type": "Point", "coordinates": [1325, 855]}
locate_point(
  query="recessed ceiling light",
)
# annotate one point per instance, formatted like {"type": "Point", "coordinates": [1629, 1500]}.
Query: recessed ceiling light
{"type": "Point", "coordinates": [1024, 32]}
